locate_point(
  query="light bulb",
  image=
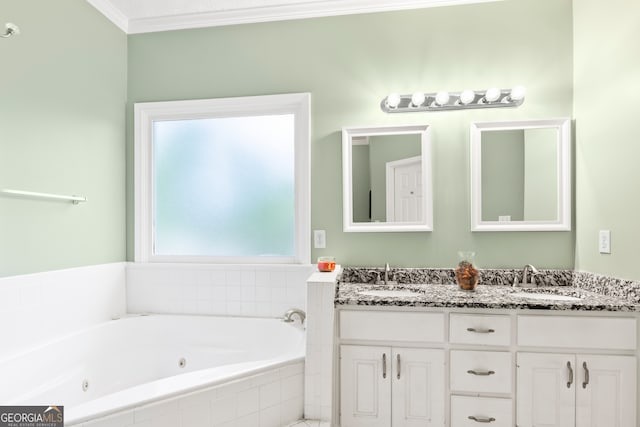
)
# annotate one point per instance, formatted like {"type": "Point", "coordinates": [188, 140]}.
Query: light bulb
{"type": "Point", "coordinates": [517, 93]}
{"type": "Point", "coordinates": [393, 100]}
{"type": "Point", "coordinates": [417, 99]}
{"type": "Point", "coordinates": [442, 98]}
{"type": "Point", "coordinates": [492, 95]}
{"type": "Point", "coordinates": [467, 97]}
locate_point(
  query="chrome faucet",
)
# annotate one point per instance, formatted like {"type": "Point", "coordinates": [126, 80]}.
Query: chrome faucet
{"type": "Point", "coordinates": [387, 269]}
{"type": "Point", "coordinates": [388, 282]}
{"type": "Point", "coordinates": [528, 271]}
{"type": "Point", "coordinates": [288, 316]}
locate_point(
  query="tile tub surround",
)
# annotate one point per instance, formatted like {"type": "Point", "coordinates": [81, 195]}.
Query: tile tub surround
{"type": "Point", "coordinates": [270, 399]}
{"type": "Point", "coordinates": [318, 375]}
{"type": "Point", "coordinates": [310, 423]}
{"type": "Point", "coordinates": [494, 277]}
{"type": "Point", "coordinates": [41, 307]}
{"type": "Point", "coordinates": [221, 290]}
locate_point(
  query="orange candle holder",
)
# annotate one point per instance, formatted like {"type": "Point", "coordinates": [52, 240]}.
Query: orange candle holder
{"type": "Point", "coordinates": [326, 263]}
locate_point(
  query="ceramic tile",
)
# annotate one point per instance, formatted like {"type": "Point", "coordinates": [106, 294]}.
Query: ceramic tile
{"type": "Point", "coordinates": [270, 394]}
{"type": "Point", "coordinates": [270, 417]}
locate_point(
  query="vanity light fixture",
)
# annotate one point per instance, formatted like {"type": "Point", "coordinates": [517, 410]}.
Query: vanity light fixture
{"type": "Point", "coordinates": [392, 101]}
{"type": "Point", "coordinates": [491, 95]}
{"type": "Point", "coordinates": [419, 101]}
{"type": "Point", "coordinates": [10, 29]}
{"type": "Point", "coordinates": [466, 97]}
{"type": "Point", "coordinates": [517, 93]}
{"type": "Point", "coordinates": [441, 98]}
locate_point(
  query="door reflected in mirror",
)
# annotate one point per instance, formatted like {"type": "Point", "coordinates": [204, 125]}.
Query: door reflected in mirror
{"type": "Point", "coordinates": [385, 186]}
{"type": "Point", "coordinates": [521, 177]}
{"type": "Point", "coordinates": [387, 178]}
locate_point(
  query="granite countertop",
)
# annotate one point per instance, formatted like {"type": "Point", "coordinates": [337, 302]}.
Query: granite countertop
{"type": "Point", "coordinates": [488, 296]}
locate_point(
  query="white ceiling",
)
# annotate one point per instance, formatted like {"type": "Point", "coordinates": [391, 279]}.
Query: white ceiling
{"type": "Point", "coordinates": [144, 16]}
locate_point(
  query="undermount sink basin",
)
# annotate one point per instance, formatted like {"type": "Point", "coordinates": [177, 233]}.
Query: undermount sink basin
{"type": "Point", "coordinates": [548, 297]}
{"type": "Point", "coordinates": [389, 293]}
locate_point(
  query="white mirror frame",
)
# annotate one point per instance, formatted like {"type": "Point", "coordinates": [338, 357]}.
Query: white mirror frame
{"type": "Point", "coordinates": [347, 179]}
{"type": "Point", "coordinates": [563, 221]}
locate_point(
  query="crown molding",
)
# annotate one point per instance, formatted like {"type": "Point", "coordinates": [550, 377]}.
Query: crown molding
{"type": "Point", "coordinates": [302, 10]}
{"type": "Point", "coordinates": [112, 13]}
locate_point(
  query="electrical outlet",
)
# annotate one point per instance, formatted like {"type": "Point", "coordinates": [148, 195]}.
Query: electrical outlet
{"type": "Point", "coordinates": [604, 241]}
{"type": "Point", "coordinates": [319, 239]}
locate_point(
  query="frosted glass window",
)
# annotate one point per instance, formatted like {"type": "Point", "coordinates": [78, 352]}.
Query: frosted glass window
{"type": "Point", "coordinates": [224, 186]}
{"type": "Point", "coordinates": [223, 180]}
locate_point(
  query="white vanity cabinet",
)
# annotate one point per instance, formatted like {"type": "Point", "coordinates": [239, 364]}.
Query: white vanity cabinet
{"type": "Point", "coordinates": [385, 386]}
{"type": "Point", "coordinates": [461, 368]}
{"type": "Point", "coordinates": [481, 364]}
{"type": "Point", "coordinates": [576, 390]}
{"type": "Point", "coordinates": [567, 389]}
{"type": "Point", "coordinates": [392, 385]}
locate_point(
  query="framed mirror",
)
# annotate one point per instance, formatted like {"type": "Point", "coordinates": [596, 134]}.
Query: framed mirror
{"type": "Point", "coordinates": [521, 175]}
{"type": "Point", "coordinates": [387, 179]}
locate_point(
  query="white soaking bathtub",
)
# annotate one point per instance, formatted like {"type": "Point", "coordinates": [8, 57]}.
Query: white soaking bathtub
{"type": "Point", "coordinates": [121, 368]}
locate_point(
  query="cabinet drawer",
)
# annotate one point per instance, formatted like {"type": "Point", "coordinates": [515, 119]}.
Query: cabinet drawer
{"type": "Point", "coordinates": [481, 371]}
{"type": "Point", "coordinates": [480, 329]}
{"type": "Point", "coordinates": [493, 412]}
{"type": "Point", "coordinates": [577, 332]}
{"type": "Point", "coordinates": [392, 326]}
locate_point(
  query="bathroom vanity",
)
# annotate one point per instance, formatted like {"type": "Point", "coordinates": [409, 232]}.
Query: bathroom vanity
{"type": "Point", "coordinates": [434, 355]}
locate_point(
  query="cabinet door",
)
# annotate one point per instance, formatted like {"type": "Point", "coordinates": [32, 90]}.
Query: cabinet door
{"type": "Point", "coordinates": [365, 386]}
{"type": "Point", "coordinates": [546, 390]}
{"type": "Point", "coordinates": [418, 387]}
{"type": "Point", "coordinates": [606, 391]}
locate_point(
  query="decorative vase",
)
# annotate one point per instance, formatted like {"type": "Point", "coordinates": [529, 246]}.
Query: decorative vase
{"type": "Point", "coordinates": [467, 275]}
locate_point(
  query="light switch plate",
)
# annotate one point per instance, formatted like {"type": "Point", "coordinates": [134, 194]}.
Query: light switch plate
{"type": "Point", "coordinates": [604, 241]}
{"type": "Point", "coordinates": [319, 239]}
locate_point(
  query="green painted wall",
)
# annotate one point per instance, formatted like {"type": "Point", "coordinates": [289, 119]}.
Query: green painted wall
{"type": "Point", "coordinates": [349, 64]}
{"type": "Point", "coordinates": [62, 124]}
{"type": "Point", "coordinates": [541, 174]}
{"type": "Point", "coordinates": [607, 89]}
{"type": "Point", "coordinates": [502, 154]}
{"type": "Point", "coordinates": [361, 175]}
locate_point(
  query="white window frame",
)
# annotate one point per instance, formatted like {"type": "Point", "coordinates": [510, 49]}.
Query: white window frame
{"type": "Point", "coordinates": [145, 113]}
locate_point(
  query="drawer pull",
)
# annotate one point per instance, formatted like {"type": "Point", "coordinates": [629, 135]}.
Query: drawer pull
{"type": "Point", "coordinates": [570, 375]}
{"type": "Point", "coordinates": [480, 373]}
{"type": "Point", "coordinates": [398, 357]}
{"type": "Point", "coordinates": [586, 375]}
{"type": "Point", "coordinates": [481, 419]}
{"type": "Point", "coordinates": [384, 365]}
{"type": "Point", "coordinates": [481, 331]}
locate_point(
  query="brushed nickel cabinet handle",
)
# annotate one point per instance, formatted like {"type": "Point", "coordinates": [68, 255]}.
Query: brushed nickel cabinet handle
{"type": "Point", "coordinates": [586, 375]}
{"type": "Point", "coordinates": [481, 331]}
{"type": "Point", "coordinates": [384, 365]}
{"type": "Point", "coordinates": [480, 373]}
{"type": "Point", "coordinates": [481, 419]}
{"type": "Point", "coordinates": [570, 375]}
{"type": "Point", "coordinates": [398, 358]}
